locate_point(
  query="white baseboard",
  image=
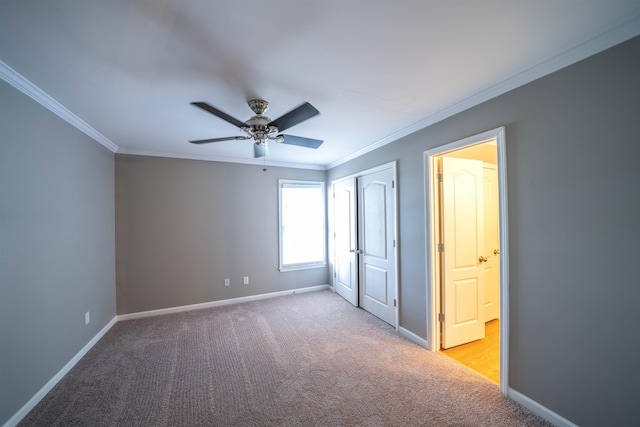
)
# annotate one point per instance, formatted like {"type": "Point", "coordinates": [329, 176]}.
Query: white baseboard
{"type": "Point", "coordinates": [27, 407]}
{"type": "Point", "coordinates": [413, 337]}
{"type": "Point", "coordinates": [219, 303]}
{"type": "Point", "coordinates": [539, 410]}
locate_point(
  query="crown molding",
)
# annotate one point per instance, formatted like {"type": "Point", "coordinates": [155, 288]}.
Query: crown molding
{"type": "Point", "coordinates": [218, 159]}
{"type": "Point", "coordinates": [19, 82]}
{"type": "Point", "coordinates": [578, 52]}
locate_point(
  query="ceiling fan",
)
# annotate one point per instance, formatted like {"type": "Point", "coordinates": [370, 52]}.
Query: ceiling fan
{"type": "Point", "coordinates": [261, 128]}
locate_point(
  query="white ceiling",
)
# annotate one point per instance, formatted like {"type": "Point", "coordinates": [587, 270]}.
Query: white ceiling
{"type": "Point", "coordinates": [376, 70]}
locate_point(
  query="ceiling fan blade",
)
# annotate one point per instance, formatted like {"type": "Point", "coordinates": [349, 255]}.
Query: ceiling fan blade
{"type": "Point", "coordinates": [260, 150]}
{"type": "Point", "coordinates": [221, 114]}
{"type": "Point", "coordinates": [302, 142]}
{"type": "Point", "coordinates": [228, 138]}
{"type": "Point", "coordinates": [295, 116]}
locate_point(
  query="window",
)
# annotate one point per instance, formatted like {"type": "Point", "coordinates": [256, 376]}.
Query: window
{"type": "Point", "coordinates": [302, 224]}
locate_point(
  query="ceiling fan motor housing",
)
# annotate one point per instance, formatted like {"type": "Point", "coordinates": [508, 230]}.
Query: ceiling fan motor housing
{"type": "Point", "coordinates": [258, 128]}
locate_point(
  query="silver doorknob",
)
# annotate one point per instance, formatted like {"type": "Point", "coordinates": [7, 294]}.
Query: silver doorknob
{"type": "Point", "coordinates": [483, 259]}
{"type": "Point", "coordinates": [496, 251]}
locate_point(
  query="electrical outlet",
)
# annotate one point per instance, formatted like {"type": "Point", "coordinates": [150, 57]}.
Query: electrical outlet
{"type": "Point", "coordinates": [246, 280]}
{"type": "Point", "coordinates": [227, 282]}
{"type": "Point", "coordinates": [87, 318]}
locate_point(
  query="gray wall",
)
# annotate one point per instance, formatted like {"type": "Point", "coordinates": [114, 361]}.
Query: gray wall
{"type": "Point", "coordinates": [183, 226]}
{"type": "Point", "coordinates": [56, 245]}
{"type": "Point", "coordinates": [573, 147]}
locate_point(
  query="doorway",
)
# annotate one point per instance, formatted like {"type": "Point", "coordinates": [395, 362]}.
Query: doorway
{"type": "Point", "coordinates": [466, 248]}
{"type": "Point", "coordinates": [364, 241]}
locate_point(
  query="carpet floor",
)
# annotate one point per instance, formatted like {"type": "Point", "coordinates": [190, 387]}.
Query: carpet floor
{"type": "Point", "coordinates": [307, 359]}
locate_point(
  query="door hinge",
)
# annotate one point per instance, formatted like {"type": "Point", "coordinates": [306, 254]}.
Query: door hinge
{"type": "Point", "coordinates": [393, 184]}
{"type": "Point", "coordinates": [334, 274]}
{"type": "Point", "coordinates": [395, 303]}
{"type": "Point", "coordinates": [441, 317]}
{"type": "Point", "coordinates": [439, 177]}
{"type": "Point", "coordinates": [440, 247]}
{"type": "Point", "coordinates": [394, 243]}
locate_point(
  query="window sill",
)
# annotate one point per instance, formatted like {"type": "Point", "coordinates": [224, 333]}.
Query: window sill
{"type": "Point", "coordinates": [301, 267]}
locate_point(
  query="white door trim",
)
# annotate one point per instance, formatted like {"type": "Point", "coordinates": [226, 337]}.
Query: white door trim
{"type": "Point", "coordinates": [431, 224]}
{"type": "Point", "coordinates": [389, 165]}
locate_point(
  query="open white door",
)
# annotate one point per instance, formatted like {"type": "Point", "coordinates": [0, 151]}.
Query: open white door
{"type": "Point", "coordinates": [463, 258]}
{"type": "Point", "coordinates": [491, 243]}
{"type": "Point", "coordinates": [376, 206]}
{"type": "Point", "coordinates": [344, 220]}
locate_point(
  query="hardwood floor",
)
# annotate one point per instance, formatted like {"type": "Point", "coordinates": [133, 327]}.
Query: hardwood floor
{"type": "Point", "coordinates": [483, 356]}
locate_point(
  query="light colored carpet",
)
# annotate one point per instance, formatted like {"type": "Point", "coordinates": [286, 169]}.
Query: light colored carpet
{"type": "Point", "coordinates": [300, 360]}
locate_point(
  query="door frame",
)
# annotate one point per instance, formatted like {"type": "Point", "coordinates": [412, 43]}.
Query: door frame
{"type": "Point", "coordinates": [332, 254]}
{"type": "Point", "coordinates": [431, 227]}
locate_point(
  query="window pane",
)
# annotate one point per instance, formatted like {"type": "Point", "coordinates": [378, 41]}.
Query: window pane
{"type": "Point", "coordinates": [302, 223]}
{"type": "Point", "coordinates": [302, 245]}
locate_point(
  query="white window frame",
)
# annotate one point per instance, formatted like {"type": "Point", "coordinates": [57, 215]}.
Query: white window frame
{"type": "Point", "coordinates": [282, 183]}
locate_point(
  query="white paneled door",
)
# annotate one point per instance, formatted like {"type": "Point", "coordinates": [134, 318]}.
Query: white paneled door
{"type": "Point", "coordinates": [491, 243]}
{"type": "Point", "coordinates": [376, 234]}
{"type": "Point", "coordinates": [345, 244]}
{"type": "Point", "coordinates": [463, 259]}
